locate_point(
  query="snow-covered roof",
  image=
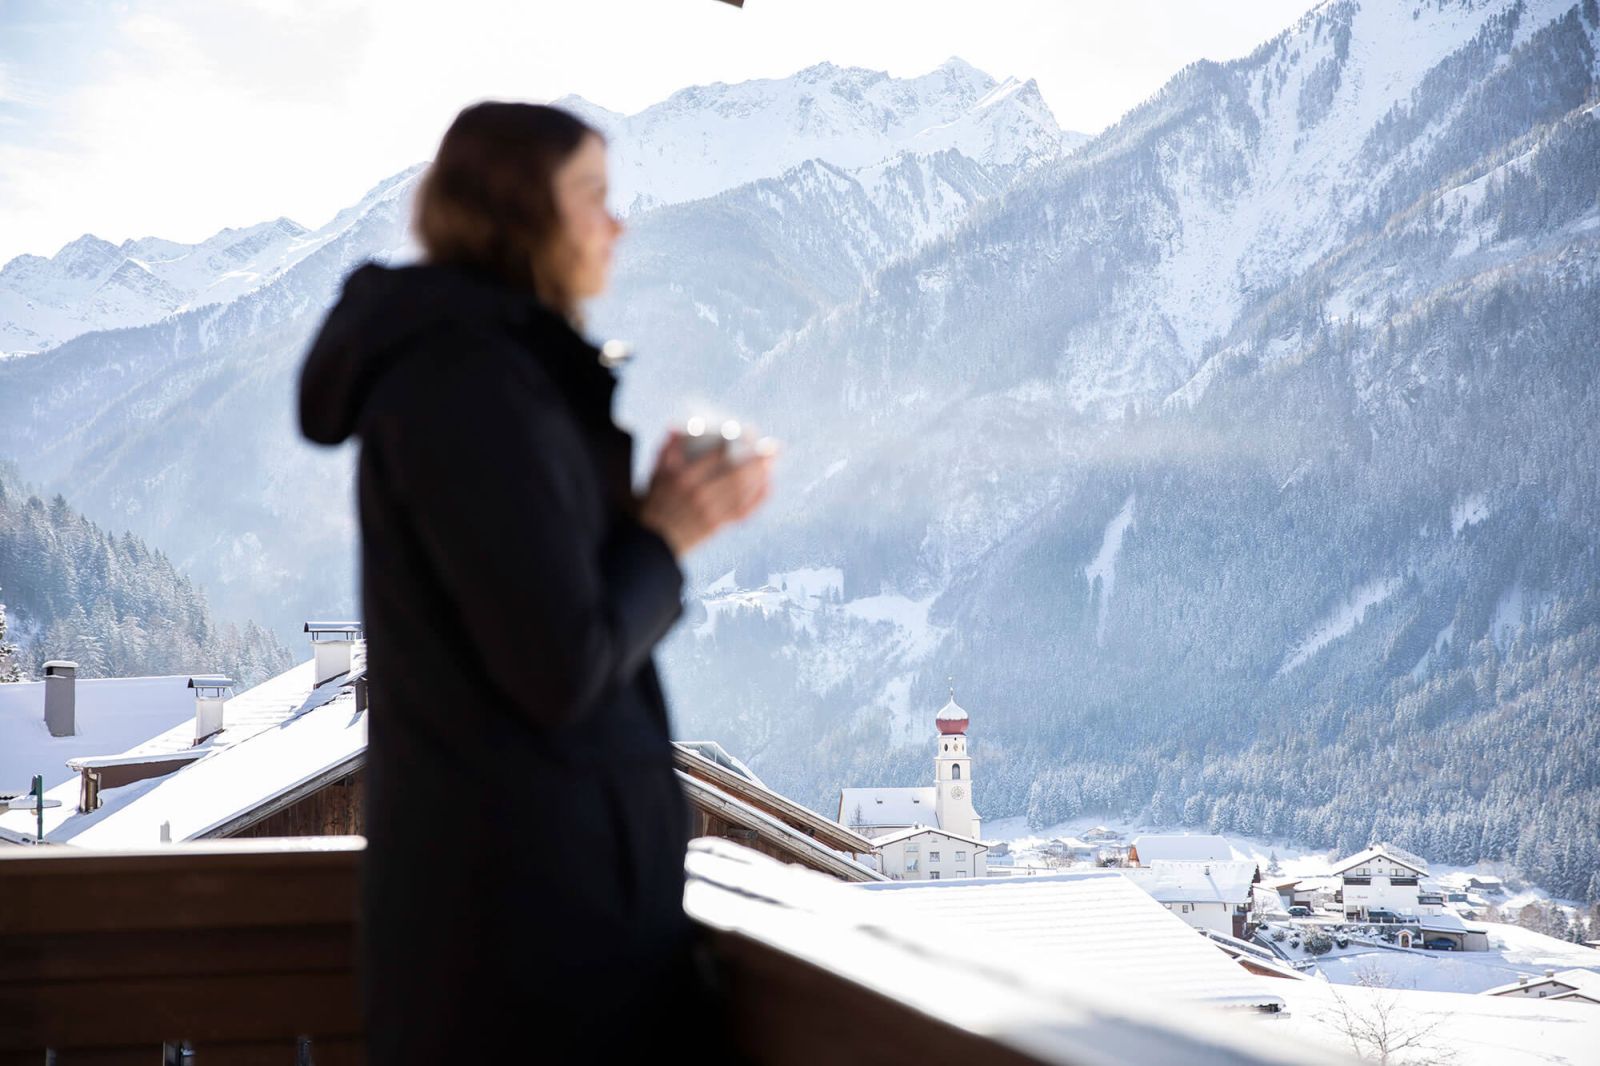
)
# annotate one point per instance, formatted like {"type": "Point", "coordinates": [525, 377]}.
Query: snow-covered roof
{"type": "Point", "coordinates": [951, 712]}
{"type": "Point", "coordinates": [110, 714]}
{"type": "Point", "coordinates": [1095, 923]}
{"type": "Point", "coordinates": [711, 751]}
{"type": "Point", "coordinates": [804, 849]}
{"type": "Point", "coordinates": [1586, 982]}
{"type": "Point", "coordinates": [748, 790]}
{"type": "Point", "coordinates": [1385, 851]}
{"type": "Point", "coordinates": [1153, 847]}
{"type": "Point", "coordinates": [280, 742]}
{"type": "Point", "coordinates": [205, 796]}
{"type": "Point", "coordinates": [919, 830]}
{"type": "Point", "coordinates": [268, 704]}
{"type": "Point", "coordinates": [888, 806]}
{"type": "Point", "coordinates": [1194, 882]}
{"type": "Point", "coordinates": [1448, 922]}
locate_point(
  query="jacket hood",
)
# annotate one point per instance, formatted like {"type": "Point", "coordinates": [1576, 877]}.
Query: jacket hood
{"type": "Point", "coordinates": [379, 311]}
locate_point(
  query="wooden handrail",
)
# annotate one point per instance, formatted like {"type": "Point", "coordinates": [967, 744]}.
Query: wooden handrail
{"type": "Point", "coordinates": [241, 947]}
{"type": "Point", "coordinates": [247, 950]}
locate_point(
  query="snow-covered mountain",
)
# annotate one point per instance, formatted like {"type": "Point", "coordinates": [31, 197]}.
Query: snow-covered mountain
{"type": "Point", "coordinates": [700, 141]}
{"type": "Point", "coordinates": [92, 284]}
{"type": "Point", "coordinates": [703, 140]}
{"type": "Point", "coordinates": [1168, 452]}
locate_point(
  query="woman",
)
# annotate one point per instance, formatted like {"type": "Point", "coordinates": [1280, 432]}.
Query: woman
{"type": "Point", "coordinates": [525, 831]}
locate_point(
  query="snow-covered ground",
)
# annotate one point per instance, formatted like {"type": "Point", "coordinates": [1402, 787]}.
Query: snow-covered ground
{"type": "Point", "coordinates": [1344, 617]}
{"type": "Point", "coordinates": [1104, 564]}
{"type": "Point", "coordinates": [1513, 952]}
{"type": "Point", "coordinates": [1440, 1027]}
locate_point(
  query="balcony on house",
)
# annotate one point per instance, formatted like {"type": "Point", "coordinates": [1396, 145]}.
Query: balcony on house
{"type": "Point", "coordinates": [244, 951]}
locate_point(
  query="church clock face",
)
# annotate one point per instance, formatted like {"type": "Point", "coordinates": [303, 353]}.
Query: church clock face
{"type": "Point", "coordinates": [958, 792]}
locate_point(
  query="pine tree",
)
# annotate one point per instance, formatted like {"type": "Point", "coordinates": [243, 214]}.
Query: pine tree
{"type": "Point", "coordinates": [9, 670]}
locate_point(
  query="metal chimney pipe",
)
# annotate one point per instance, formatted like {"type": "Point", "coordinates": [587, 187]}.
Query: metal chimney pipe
{"type": "Point", "coordinates": [210, 693]}
{"type": "Point", "coordinates": [331, 644]}
{"type": "Point", "coordinates": [60, 700]}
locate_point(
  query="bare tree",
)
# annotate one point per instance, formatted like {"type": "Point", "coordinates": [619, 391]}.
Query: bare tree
{"type": "Point", "coordinates": [1380, 1029]}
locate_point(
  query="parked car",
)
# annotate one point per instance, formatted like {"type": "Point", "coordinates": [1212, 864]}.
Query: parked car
{"type": "Point", "coordinates": [1298, 911]}
{"type": "Point", "coordinates": [1439, 943]}
{"type": "Point", "coordinates": [1380, 915]}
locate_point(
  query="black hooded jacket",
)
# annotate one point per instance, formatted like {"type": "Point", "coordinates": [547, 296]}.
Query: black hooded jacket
{"type": "Point", "coordinates": [526, 831]}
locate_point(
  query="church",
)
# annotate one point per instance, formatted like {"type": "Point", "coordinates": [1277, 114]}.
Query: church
{"type": "Point", "coordinates": [925, 832]}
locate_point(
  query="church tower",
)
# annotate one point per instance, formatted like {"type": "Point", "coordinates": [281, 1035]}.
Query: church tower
{"type": "Point", "coordinates": [952, 773]}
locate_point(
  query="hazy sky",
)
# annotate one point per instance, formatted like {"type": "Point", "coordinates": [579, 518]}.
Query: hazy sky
{"type": "Point", "coordinates": [175, 119]}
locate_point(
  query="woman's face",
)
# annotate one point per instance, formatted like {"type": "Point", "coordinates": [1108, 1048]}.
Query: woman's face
{"type": "Point", "coordinates": [580, 195]}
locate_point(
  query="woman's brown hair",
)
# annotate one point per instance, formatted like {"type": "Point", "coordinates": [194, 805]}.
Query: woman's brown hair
{"type": "Point", "coordinates": [488, 200]}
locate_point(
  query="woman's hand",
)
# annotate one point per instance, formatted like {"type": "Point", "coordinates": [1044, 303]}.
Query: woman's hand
{"type": "Point", "coordinates": [688, 500]}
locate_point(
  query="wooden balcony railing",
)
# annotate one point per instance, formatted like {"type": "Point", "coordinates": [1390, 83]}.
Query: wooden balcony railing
{"type": "Point", "coordinates": [244, 951]}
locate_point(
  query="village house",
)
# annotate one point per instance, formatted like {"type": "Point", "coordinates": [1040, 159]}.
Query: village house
{"type": "Point", "coordinates": [1569, 986]}
{"type": "Point", "coordinates": [1067, 850]}
{"type": "Point", "coordinates": [1152, 848]}
{"type": "Point", "coordinates": [1296, 892]}
{"type": "Point", "coordinates": [1382, 878]}
{"type": "Point", "coordinates": [1462, 934]}
{"type": "Point", "coordinates": [923, 853]}
{"type": "Point", "coordinates": [1206, 895]}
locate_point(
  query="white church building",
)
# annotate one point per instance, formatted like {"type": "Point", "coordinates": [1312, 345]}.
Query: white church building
{"type": "Point", "coordinates": [925, 832]}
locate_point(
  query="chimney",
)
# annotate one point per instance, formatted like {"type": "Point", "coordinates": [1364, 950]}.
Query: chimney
{"type": "Point", "coordinates": [331, 643]}
{"type": "Point", "coordinates": [210, 692]}
{"type": "Point", "coordinates": [1549, 973]}
{"type": "Point", "coordinates": [60, 703]}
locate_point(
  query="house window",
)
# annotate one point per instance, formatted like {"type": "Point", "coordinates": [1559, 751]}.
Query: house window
{"type": "Point", "coordinates": [933, 875]}
{"type": "Point", "coordinates": [933, 856]}
{"type": "Point", "coordinates": [961, 873]}
{"type": "Point", "coordinates": [955, 771]}
{"type": "Point", "coordinates": [1186, 908]}
{"type": "Point", "coordinates": [912, 849]}
{"type": "Point", "coordinates": [961, 856]}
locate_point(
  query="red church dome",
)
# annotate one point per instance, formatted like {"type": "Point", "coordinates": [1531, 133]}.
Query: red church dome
{"type": "Point", "coordinates": [951, 719]}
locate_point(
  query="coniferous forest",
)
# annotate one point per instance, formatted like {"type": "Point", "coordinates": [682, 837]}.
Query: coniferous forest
{"type": "Point", "coordinates": [109, 603]}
